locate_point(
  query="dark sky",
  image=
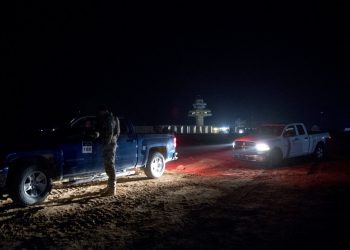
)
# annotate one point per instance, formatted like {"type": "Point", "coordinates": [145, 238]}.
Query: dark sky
{"type": "Point", "coordinates": [262, 63]}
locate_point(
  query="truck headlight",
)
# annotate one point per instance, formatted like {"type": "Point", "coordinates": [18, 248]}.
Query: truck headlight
{"type": "Point", "coordinates": [262, 147]}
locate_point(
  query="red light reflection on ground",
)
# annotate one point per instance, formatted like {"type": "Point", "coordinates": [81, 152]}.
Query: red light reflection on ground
{"type": "Point", "coordinates": [303, 173]}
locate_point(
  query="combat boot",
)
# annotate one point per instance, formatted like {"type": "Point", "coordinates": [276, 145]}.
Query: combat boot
{"type": "Point", "coordinates": [111, 189]}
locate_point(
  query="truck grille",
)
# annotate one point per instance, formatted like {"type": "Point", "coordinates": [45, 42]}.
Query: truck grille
{"type": "Point", "coordinates": [244, 145]}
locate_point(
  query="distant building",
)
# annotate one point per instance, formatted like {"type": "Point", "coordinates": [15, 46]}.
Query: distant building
{"type": "Point", "coordinates": [199, 111]}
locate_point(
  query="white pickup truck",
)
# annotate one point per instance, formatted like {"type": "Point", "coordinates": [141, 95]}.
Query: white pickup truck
{"type": "Point", "coordinates": [272, 143]}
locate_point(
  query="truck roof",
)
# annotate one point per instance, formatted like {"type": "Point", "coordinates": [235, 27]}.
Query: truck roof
{"type": "Point", "coordinates": [274, 124]}
{"type": "Point", "coordinates": [281, 124]}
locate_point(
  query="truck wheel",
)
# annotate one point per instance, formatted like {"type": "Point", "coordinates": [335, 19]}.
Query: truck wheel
{"type": "Point", "coordinates": [319, 152]}
{"type": "Point", "coordinates": [155, 166]}
{"type": "Point", "coordinates": [30, 186]}
{"type": "Point", "coordinates": [275, 158]}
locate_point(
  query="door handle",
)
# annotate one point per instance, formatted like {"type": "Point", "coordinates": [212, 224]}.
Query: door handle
{"type": "Point", "coordinates": [296, 139]}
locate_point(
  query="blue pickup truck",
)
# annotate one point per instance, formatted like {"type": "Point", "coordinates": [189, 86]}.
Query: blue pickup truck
{"type": "Point", "coordinates": [28, 167]}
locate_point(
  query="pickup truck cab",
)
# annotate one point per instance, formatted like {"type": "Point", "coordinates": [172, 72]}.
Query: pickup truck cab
{"type": "Point", "coordinates": [28, 167]}
{"type": "Point", "coordinates": [271, 143]}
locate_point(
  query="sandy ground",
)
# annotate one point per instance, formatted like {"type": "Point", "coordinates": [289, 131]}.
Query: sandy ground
{"type": "Point", "coordinates": [205, 200]}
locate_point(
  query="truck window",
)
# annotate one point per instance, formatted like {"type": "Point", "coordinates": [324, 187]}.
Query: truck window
{"type": "Point", "coordinates": [290, 131]}
{"type": "Point", "coordinates": [301, 130]}
{"type": "Point", "coordinates": [84, 125]}
{"type": "Point", "coordinates": [269, 130]}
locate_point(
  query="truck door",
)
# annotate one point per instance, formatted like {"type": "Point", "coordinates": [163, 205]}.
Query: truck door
{"type": "Point", "coordinates": [127, 147]}
{"type": "Point", "coordinates": [78, 148]}
{"type": "Point", "coordinates": [304, 138]}
{"type": "Point", "coordinates": [294, 142]}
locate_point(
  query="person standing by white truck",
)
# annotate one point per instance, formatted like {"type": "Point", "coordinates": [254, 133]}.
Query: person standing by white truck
{"type": "Point", "coordinates": [272, 143]}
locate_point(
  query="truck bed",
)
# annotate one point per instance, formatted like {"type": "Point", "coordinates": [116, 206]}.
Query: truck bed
{"type": "Point", "coordinates": [316, 132]}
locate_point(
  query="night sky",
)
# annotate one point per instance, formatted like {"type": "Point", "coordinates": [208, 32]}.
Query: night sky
{"type": "Point", "coordinates": [260, 63]}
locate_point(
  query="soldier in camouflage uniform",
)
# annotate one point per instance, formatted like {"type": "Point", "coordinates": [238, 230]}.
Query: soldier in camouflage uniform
{"type": "Point", "coordinates": [107, 126]}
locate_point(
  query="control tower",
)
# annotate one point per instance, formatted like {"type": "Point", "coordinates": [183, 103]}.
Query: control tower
{"type": "Point", "coordinates": [199, 111]}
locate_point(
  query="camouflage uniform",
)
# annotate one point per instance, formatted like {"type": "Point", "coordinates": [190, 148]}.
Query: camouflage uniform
{"type": "Point", "coordinates": [107, 124]}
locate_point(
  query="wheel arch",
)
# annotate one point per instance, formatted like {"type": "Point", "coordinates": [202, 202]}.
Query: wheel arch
{"type": "Point", "coordinates": [279, 150]}
{"type": "Point", "coordinates": [159, 149]}
{"type": "Point", "coordinates": [156, 171]}
{"type": "Point", "coordinates": [45, 162]}
{"type": "Point", "coordinates": [321, 143]}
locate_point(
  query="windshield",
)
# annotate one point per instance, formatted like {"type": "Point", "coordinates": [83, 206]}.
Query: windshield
{"type": "Point", "coordinates": [270, 130]}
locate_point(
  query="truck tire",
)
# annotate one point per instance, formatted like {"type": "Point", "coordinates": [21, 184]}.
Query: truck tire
{"type": "Point", "coordinates": [319, 153]}
{"type": "Point", "coordinates": [275, 158]}
{"type": "Point", "coordinates": [155, 165]}
{"type": "Point", "coordinates": [30, 186]}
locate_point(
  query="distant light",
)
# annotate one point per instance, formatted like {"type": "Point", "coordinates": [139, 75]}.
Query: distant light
{"type": "Point", "coordinates": [53, 129]}
{"type": "Point", "coordinates": [224, 129]}
{"type": "Point", "coordinates": [241, 131]}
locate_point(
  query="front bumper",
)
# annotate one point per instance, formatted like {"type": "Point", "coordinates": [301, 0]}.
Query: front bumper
{"type": "Point", "coordinates": [250, 156]}
{"type": "Point", "coordinates": [3, 176]}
